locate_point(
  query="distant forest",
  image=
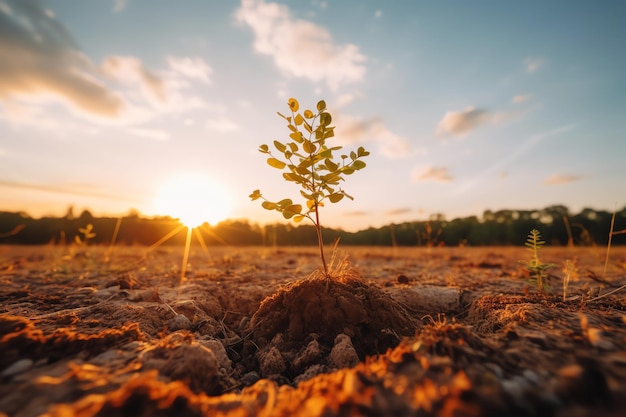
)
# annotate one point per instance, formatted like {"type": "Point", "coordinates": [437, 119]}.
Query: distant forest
{"type": "Point", "coordinates": [505, 227]}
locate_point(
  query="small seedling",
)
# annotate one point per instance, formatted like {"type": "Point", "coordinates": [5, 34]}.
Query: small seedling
{"type": "Point", "coordinates": [570, 271]}
{"type": "Point", "coordinates": [538, 270]}
{"type": "Point", "coordinates": [87, 233]}
{"type": "Point", "coordinates": [309, 163]}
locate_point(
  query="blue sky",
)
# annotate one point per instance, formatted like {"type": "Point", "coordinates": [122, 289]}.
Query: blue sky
{"type": "Point", "coordinates": [464, 105]}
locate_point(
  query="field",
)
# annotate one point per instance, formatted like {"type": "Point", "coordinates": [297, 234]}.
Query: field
{"type": "Point", "coordinates": [401, 331]}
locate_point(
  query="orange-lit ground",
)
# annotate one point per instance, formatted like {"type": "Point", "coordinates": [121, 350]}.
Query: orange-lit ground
{"type": "Point", "coordinates": [408, 331]}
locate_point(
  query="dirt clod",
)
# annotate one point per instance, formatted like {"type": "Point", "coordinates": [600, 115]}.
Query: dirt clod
{"type": "Point", "coordinates": [329, 307]}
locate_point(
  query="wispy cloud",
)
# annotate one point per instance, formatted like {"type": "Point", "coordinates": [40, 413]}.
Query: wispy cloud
{"type": "Point", "coordinates": [399, 211]}
{"type": "Point", "coordinates": [71, 189]}
{"type": "Point", "coordinates": [533, 64]}
{"type": "Point", "coordinates": [45, 61]}
{"type": "Point", "coordinates": [119, 6]}
{"type": "Point", "coordinates": [357, 213]}
{"type": "Point", "coordinates": [513, 155]}
{"type": "Point", "coordinates": [351, 130]}
{"type": "Point", "coordinates": [299, 47]}
{"type": "Point", "coordinates": [522, 98]}
{"type": "Point", "coordinates": [130, 70]}
{"type": "Point", "coordinates": [432, 173]}
{"type": "Point", "coordinates": [47, 66]}
{"type": "Point", "coordinates": [460, 123]}
{"type": "Point", "coordinates": [562, 179]}
{"type": "Point", "coordinates": [192, 68]}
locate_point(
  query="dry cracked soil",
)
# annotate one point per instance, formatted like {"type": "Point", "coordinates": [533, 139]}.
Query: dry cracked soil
{"type": "Point", "coordinates": [88, 331]}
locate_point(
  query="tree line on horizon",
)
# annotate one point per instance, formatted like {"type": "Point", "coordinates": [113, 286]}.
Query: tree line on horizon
{"type": "Point", "coordinates": [494, 228]}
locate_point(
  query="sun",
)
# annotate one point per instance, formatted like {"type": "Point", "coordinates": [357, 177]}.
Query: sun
{"type": "Point", "coordinates": [193, 199]}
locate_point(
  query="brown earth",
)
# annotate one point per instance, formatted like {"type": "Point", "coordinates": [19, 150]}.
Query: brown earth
{"type": "Point", "coordinates": [256, 331]}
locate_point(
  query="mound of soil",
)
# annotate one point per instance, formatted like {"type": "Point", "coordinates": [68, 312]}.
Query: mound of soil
{"type": "Point", "coordinates": [327, 323]}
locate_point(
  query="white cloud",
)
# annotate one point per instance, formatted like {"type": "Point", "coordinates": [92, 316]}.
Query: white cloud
{"type": "Point", "coordinates": [193, 68]}
{"type": "Point", "coordinates": [378, 13]}
{"type": "Point", "coordinates": [301, 48]}
{"type": "Point", "coordinates": [45, 61]}
{"type": "Point", "coordinates": [432, 173]}
{"type": "Point", "coordinates": [533, 64]}
{"type": "Point", "coordinates": [460, 123]}
{"type": "Point", "coordinates": [131, 70]}
{"type": "Point", "coordinates": [222, 124]}
{"type": "Point", "coordinates": [47, 68]}
{"type": "Point", "coordinates": [350, 130]}
{"type": "Point", "coordinates": [562, 179]}
{"type": "Point", "coordinates": [521, 98]}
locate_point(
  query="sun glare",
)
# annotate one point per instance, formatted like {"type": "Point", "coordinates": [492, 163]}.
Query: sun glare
{"type": "Point", "coordinates": [194, 199]}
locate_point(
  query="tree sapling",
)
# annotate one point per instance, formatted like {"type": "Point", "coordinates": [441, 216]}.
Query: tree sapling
{"type": "Point", "coordinates": [308, 162]}
{"type": "Point", "coordinates": [536, 268]}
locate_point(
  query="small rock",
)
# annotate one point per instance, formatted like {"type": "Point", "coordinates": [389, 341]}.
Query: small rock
{"type": "Point", "coordinates": [531, 376]}
{"type": "Point", "coordinates": [343, 354]}
{"type": "Point", "coordinates": [271, 362]}
{"type": "Point", "coordinates": [18, 367]}
{"type": "Point", "coordinates": [180, 322]}
{"type": "Point", "coordinates": [311, 354]}
{"type": "Point", "coordinates": [219, 351]}
{"type": "Point", "coordinates": [311, 372]}
{"type": "Point", "coordinates": [402, 279]}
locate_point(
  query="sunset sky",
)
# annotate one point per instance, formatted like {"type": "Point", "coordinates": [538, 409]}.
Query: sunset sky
{"type": "Point", "coordinates": [464, 105]}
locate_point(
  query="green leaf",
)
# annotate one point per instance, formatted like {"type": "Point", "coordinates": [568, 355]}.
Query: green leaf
{"type": "Point", "coordinates": [329, 133]}
{"type": "Point", "coordinates": [298, 120]}
{"type": "Point", "coordinates": [321, 105]}
{"type": "Point", "coordinates": [302, 171]}
{"type": "Point", "coordinates": [275, 163]}
{"type": "Point", "coordinates": [298, 218]}
{"type": "Point", "coordinates": [358, 165]}
{"type": "Point", "coordinates": [348, 170]}
{"type": "Point", "coordinates": [362, 152]}
{"type": "Point", "coordinates": [309, 147]}
{"type": "Point", "coordinates": [293, 147]}
{"type": "Point", "coordinates": [308, 114]}
{"type": "Point", "coordinates": [285, 202]}
{"type": "Point", "coordinates": [294, 208]}
{"type": "Point", "coordinates": [292, 128]}
{"type": "Point", "coordinates": [256, 194]}
{"type": "Point", "coordinates": [269, 205]}
{"type": "Point", "coordinates": [290, 176]}
{"type": "Point", "coordinates": [264, 149]}
{"type": "Point", "coordinates": [297, 136]}
{"type": "Point", "coordinates": [353, 155]}
{"type": "Point", "coordinates": [280, 146]}
{"type": "Point", "coordinates": [331, 165]}
{"type": "Point", "coordinates": [308, 127]}
{"type": "Point", "coordinates": [325, 154]}
{"type": "Point", "coordinates": [325, 119]}
{"type": "Point", "coordinates": [335, 198]}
